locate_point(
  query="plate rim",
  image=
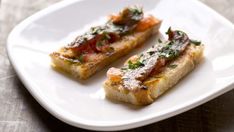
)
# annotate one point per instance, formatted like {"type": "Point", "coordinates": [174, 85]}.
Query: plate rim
{"type": "Point", "coordinates": [65, 117]}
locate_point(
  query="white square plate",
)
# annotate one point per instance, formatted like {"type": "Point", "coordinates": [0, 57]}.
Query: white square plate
{"type": "Point", "coordinates": [82, 103]}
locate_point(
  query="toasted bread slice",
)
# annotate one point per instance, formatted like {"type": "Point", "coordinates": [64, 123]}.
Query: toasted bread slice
{"type": "Point", "coordinates": [157, 84]}
{"type": "Point", "coordinates": [121, 48]}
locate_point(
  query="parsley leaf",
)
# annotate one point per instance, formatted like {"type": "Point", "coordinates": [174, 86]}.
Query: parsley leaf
{"type": "Point", "coordinates": [172, 66]}
{"type": "Point", "coordinates": [159, 40]}
{"type": "Point", "coordinates": [195, 42]}
{"type": "Point", "coordinates": [81, 58]}
{"type": "Point", "coordinates": [106, 36]}
{"type": "Point", "coordinates": [124, 68]}
{"type": "Point", "coordinates": [135, 65]}
{"type": "Point", "coordinates": [168, 30]}
{"type": "Point", "coordinates": [151, 52]}
{"type": "Point", "coordinates": [99, 44]}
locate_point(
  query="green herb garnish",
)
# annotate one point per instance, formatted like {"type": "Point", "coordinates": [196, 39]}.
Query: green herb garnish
{"type": "Point", "coordinates": [195, 42]}
{"type": "Point", "coordinates": [99, 43]}
{"type": "Point", "coordinates": [168, 30]}
{"type": "Point", "coordinates": [159, 40]}
{"type": "Point", "coordinates": [124, 68]}
{"type": "Point", "coordinates": [136, 10]}
{"type": "Point", "coordinates": [97, 30]}
{"type": "Point", "coordinates": [168, 52]}
{"type": "Point", "coordinates": [81, 58]}
{"type": "Point", "coordinates": [172, 66]}
{"type": "Point", "coordinates": [106, 36]}
{"type": "Point", "coordinates": [111, 49]}
{"type": "Point", "coordinates": [135, 65]}
{"type": "Point", "coordinates": [151, 52]}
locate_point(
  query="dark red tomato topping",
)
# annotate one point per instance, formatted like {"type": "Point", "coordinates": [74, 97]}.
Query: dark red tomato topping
{"type": "Point", "coordinates": [99, 43]}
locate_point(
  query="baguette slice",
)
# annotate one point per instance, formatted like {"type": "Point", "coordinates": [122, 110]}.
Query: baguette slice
{"type": "Point", "coordinates": [159, 83]}
{"type": "Point", "coordinates": [122, 47]}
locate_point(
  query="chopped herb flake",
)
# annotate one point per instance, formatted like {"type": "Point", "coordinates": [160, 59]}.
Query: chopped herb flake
{"type": "Point", "coordinates": [195, 42]}
{"type": "Point", "coordinates": [135, 65]}
{"type": "Point", "coordinates": [81, 58]}
{"type": "Point", "coordinates": [168, 30]}
{"type": "Point", "coordinates": [159, 40]}
{"type": "Point", "coordinates": [106, 36]}
{"type": "Point", "coordinates": [151, 52]}
{"type": "Point", "coordinates": [111, 49]}
{"type": "Point", "coordinates": [136, 10]}
{"type": "Point", "coordinates": [124, 68]}
{"type": "Point", "coordinates": [99, 43]}
{"type": "Point", "coordinates": [172, 66]}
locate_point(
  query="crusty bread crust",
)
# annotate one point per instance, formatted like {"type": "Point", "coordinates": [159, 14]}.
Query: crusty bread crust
{"type": "Point", "coordinates": [159, 83]}
{"type": "Point", "coordinates": [122, 47]}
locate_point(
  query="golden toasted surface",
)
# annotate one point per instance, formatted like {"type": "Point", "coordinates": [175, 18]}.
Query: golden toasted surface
{"type": "Point", "coordinates": [157, 84]}
{"type": "Point", "coordinates": [97, 61]}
